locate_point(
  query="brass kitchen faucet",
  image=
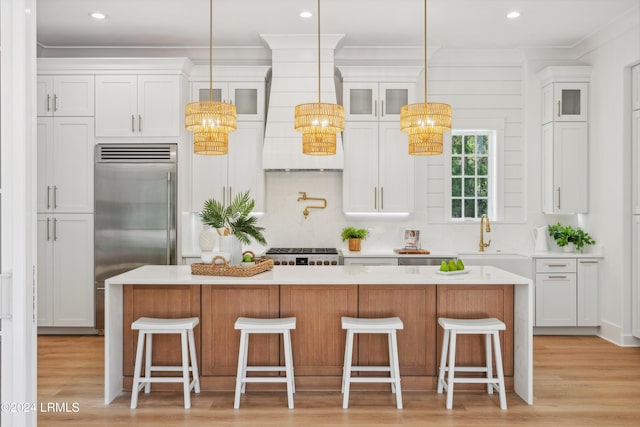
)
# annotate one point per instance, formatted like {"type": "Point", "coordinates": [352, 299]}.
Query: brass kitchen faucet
{"type": "Point", "coordinates": [488, 229]}
{"type": "Point", "coordinates": [303, 196]}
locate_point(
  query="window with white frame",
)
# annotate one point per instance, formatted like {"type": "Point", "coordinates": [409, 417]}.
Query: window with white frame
{"type": "Point", "coordinates": [472, 174]}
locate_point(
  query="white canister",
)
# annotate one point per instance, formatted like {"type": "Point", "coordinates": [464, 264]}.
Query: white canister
{"type": "Point", "coordinates": [206, 239]}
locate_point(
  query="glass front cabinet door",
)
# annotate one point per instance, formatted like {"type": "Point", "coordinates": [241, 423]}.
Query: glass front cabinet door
{"type": "Point", "coordinates": [564, 102]}
{"type": "Point", "coordinates": [375, 101]}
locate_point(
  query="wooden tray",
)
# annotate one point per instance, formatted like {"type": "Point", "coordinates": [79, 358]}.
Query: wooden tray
{"type": "Point", "coordinates": [224, 269]}
{"type": "Point", "coordinates": [412, 251]}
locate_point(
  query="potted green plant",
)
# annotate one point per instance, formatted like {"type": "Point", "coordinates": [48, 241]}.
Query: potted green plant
{"type": "Point", "coordinates": [355, 236]}
{"type": "Point", "coordinates": [567, 237]}
{"type": "Point", "coordinates": [233, 224]}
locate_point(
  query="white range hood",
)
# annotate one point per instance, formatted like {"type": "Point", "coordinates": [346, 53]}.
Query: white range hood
{"type": "Point", "coordinates": [294, 80]}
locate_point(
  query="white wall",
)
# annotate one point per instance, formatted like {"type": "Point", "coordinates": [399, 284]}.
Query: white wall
{"type": "Point", "coordinates": [610, 176]}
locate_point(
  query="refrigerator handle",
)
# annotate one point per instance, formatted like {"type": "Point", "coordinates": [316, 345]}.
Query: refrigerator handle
{"type": "Point", "coordinates": [168, 218]}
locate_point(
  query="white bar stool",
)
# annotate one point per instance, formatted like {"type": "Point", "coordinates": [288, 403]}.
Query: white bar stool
{"type": "Point", "coordinates": [148, 326]}
{"type": "Point", "coordinates": [387, 325]}
{"type": "Point", "coordinates": [248, 326]}
{"type": "Point", "coordinates": [488, 327]}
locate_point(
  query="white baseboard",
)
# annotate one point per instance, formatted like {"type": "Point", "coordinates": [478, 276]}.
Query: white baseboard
{"type": "Point", "coordinates": [67, 331]}
{"type": "Point", "coordinates": [566, 330]}
{"type": "Point", "coordinates": [613, 333]}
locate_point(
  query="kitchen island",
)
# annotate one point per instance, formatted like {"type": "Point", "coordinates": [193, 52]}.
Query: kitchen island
{"type": "Point", "coordinates": [318, 297]}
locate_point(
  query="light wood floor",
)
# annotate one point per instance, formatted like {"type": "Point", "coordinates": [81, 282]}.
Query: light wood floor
{"type": "Point", "coordinates": [578, 381]}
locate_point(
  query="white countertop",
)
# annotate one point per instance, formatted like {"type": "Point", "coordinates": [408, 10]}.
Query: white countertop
{"type": "Point", "coordinates": [326, 275]}
{"type": "Point", "coordinates": [389, 253]}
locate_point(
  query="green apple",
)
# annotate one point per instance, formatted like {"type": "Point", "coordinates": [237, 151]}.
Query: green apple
{"type": "Point", "coordinates": [444, 266]}
{"type": "Point", "coordinates": [247, 258]}
{"type": "Point", "coordinates": [460, 264]}
{"type": "Point", "coordinates": [452, 265]}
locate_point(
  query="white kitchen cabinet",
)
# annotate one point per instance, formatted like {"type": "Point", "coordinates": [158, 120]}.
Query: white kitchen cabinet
{"type": "Point", "coordinates": [65, 270]}
{"type": "Point", "coordinates": [138, 106]}
{"type": "Point", "coordinates": [372, 101]}
{"type": "Point", "coordinates": [635, 88]}
{"type": "Point", "coordinates": [223, 177]}
{"type": "Point", "coordinates": [635, 276]}
{"type": "Point", "coordinates": [65, 164]}
{"type": "Point", "coordinates": [65, 96]}
{"type": "Point", "coordinates": [565, 168]}
{"type": "Point", "coordinates": [378, 173]}
{"type": "Point", "coordinates": [565, 102]}
{"type": "Point", "coordinates": [566, 292]}
{"type": "Point", "coordinates": [635, 162]}
{"type": "Point", "coordinates": [248, 97]}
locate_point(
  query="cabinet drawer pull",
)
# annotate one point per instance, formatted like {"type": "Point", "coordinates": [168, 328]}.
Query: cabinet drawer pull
{"type": "Point", "coordinates": [557, 277]}
{"type": "Point", "coordinates": [48, 103]}
{"type": "Point", "coordinates": [48, 196]}
{"type": "Point", "coordinates": [139, 122]}
{"type": "Point", "coordinates": [588, 262]}
{"type": "Point", "coordinates": [556, 265]}
{"type": "Point", "coordinates": [55, 102]}
{"type": "Point", "coordinates": [558, 197]}
{"type": "Point", "coordinates": [55, 229]}
{"type": "Point", "coordinates": [382, 108]}
{"type": "Point", "coordinates": [133, 123]}
{"type": "Point", "coordinates": [559, 109]}
{"type": "Point", "coordinates": [55, 197]}
{"type": "Point", "coordinates": [48, 235]}
{"type": "Point", "coordinates": [375, 108]}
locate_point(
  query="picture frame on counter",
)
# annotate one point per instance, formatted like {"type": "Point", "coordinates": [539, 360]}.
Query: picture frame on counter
{"type": "Point", "coordinates": [411, 239]}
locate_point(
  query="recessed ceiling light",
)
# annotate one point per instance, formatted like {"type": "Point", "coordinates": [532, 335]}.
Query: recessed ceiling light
{"type": "Point", "coordinates": [98, 15]}
{"type": "Point", "coordinates": [513, 15]}
{"type": "Point", "coordinates": [306, 14]}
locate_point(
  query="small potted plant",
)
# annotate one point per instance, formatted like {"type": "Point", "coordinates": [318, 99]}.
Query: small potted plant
{"type": "Point", "coordinates": [567, 237]}
{"type": "Point", "coordinates": [355, 236]}
{"type": "Point", "coordinates": [234, 224]}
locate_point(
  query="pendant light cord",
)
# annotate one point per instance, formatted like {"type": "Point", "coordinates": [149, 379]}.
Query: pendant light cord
{"type": "Point", "coordinates": [318, 51]}
{"type": "Point", "coordinates": [210, 50]}
{"type": "Point", "coordinates": [425, 51]}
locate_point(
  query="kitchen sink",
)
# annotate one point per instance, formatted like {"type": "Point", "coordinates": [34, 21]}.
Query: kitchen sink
{"type": "Point", "coordinates": [512, 262]}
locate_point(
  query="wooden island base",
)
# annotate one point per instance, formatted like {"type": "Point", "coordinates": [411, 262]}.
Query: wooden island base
{"type": "Point", "coordinates": [319, 340]}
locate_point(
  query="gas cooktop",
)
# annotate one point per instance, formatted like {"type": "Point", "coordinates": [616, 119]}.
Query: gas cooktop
{"type": "Point", "coordinates": [294, 251]}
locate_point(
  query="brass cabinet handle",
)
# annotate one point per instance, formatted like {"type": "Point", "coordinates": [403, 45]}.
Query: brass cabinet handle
{"type": "Point", "coordinates": [557, 265]}
{"type": "Point", "coordinates": [55, 102]}
{"type": "Point", "coordinates": [588, 262]}
{"type": "Point", "coordinates": [558, 197]}
{"type": "Point", "coordinates": [48, 235]}
{"type": "Point", "coordinates": [375, 108]}
{"type": "Point", "coordinates": [381, 198]}
{"type": "Point", "coordinates": [375, 197]}
{"type": "Point", "coordinates": [139, 122]}
{"type": "Point", "coordinates": [133, 124]}
{"type": "Point", "coordinates": [557, 277]}
{"type": "Point", "coordinates": [55, 229]}
{"type": "Point", "coordinates": [559, 110]}
{"type": "Point", "coordinates": [48, 196]}
{"type": "Point", "coordinates": [55, 197]}
{"type": "Point", "coordinates": [382, 108]}
{"type": "Point", "coordinates": [48, 103]}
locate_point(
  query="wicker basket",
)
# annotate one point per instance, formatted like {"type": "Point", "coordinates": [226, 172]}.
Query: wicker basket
{"type": "Point", "coordinates": [224, 269]}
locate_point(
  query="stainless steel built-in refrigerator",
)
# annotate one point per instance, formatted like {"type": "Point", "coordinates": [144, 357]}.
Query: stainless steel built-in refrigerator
{"type": "Point", "coordinates": [135, 210]}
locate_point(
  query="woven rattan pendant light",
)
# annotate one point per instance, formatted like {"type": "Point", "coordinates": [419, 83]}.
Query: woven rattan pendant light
{"type": "Point", "coordinates": [427, 121]}
{"type": "Point", "coordinates": [319, 122]}
{"type": "Point", "coordinates": [210, 121]}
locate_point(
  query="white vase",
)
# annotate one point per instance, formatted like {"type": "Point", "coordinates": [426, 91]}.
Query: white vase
{"type": "Point", "coordinates": [206, 239]}
{"type": "Point", "coordinates": [232, 245]}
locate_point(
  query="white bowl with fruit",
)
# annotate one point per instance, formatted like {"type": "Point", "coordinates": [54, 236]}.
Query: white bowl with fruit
{"type": "Point", "coordinates": [452, 267]}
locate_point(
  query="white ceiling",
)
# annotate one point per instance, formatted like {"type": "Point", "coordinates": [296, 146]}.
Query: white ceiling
{"type": "Point", "coordinates": [451, 23]}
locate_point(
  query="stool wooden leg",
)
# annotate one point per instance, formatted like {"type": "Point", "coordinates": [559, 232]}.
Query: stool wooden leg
{"type": "Point", "coordinates": [452, 368]}
{"type": "Point", "coordinates": [185, 370]}
{"type": "Point", "coordinates": [348, 352]}
{"type": "Point", "coordinates": [288, 364]}
{"type": "Point", "coordinates": [498, 353]}
{"type": "Point", "coordinates": [136, 372]}
{"type": "Point", "coordinates": [194, 361]}
{"type": "Point", "coordinates": [443, 360]}
{"type": "Point", "coordinates": [489, 357]}
{"type": "Point", "coordinates": [148, 362]}
{"type": "Point", "coordinates": [242, 363]}
{"type": "Point", "coordinates": [393, 350]}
